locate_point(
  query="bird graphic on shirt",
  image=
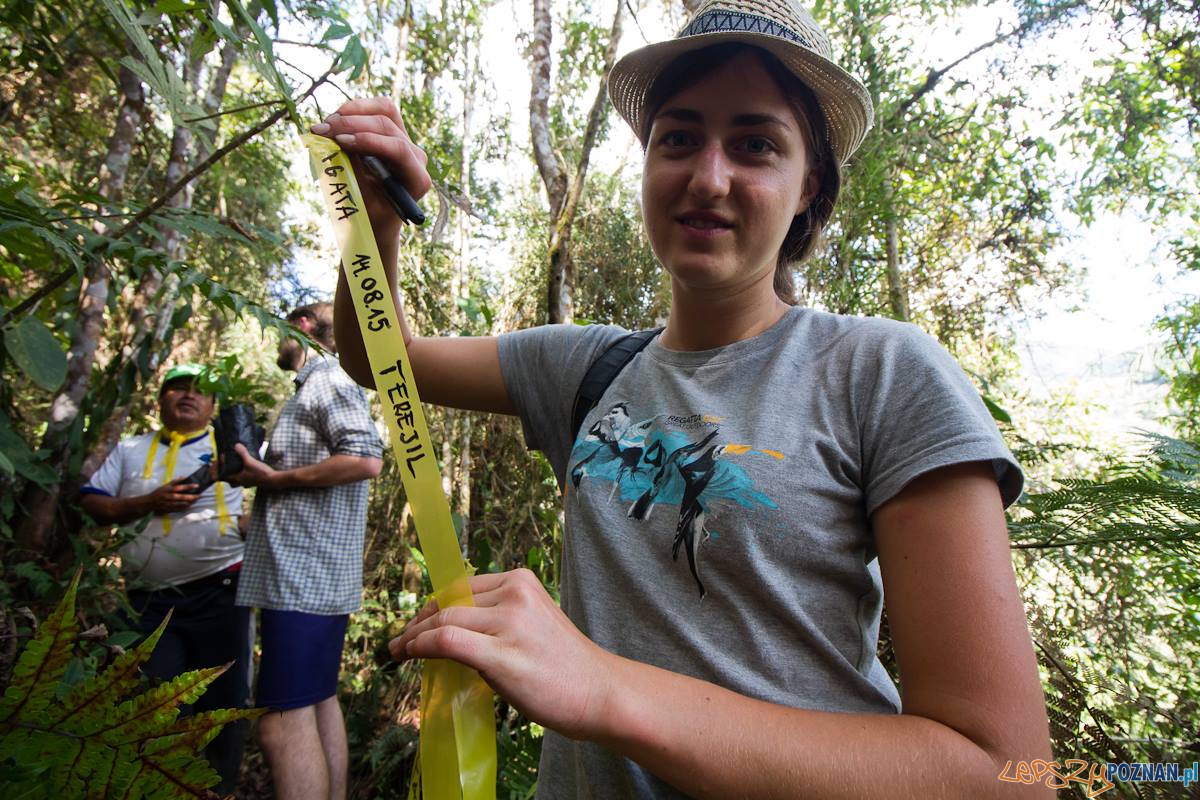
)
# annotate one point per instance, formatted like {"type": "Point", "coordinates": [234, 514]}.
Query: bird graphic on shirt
{"type": "Point", "coordinates": [665, 480]}
{"type": "Point", "coordinates": [690, 531]}
{"type": "Point", "coordinates": [651, 465]}
{"type": "Point", "coordinates": [616, 448]}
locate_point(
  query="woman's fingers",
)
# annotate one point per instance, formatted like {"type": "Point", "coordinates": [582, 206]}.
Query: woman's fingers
{"type": "Point", "coordinates": [484, 620]}
{"type": "Point", "coordinates": [368, 106]}
{"type": "Point", "coordinates": [383, 136]}
{"type": "Point", "coordinates": [458, 644]}
{"type": "Point", "coordinates": [405, 159]}
{"type": "Point", "coordinates": [363, 123]}
{"type": "Point", "coordinates": [487, 590]}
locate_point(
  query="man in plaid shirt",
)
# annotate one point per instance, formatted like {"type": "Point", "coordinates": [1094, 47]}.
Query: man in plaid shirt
{"type": "Point", "coordinates": [303, 564]}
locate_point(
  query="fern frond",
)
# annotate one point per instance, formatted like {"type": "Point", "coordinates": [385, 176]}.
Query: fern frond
{"type": "Point", "coordinates": [100, 779]}
{"type": "Point", "coordinates": [192, 734]}
{"type": "Point", "coordinates": [146, 62]}
{"type": "Point", "coordinates": [176, 776]}
{"type": "Point", "coordinates": [153, 713]}
{"type": "Point", "coordinates": [1150, 506]}
{"type": "Point", "coordinates": [117, 781]}
{"type": "Point", "coordinates": [42, 664]}
{"type": "Point", "coordinates": [92, 745]}
{"type": "Point", "coordinates": [96, 697]}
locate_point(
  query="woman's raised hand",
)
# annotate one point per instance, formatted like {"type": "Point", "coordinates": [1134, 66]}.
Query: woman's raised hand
{"type": "Point", "coordinates": [373, 126]}
{"type": "Point", "coordinates": [524, 646]}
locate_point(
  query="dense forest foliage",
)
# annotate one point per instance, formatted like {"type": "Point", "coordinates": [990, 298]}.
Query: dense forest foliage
{"type": "Point", "coordinates": [151, 212]}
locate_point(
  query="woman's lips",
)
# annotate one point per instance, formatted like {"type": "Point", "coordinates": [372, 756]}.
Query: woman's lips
{"type": "Point", "coordinates": [704, 225]}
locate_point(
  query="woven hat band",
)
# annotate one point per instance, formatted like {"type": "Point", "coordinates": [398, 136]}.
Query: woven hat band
{"type": "Point", "coordinates": [783, 29]}
{"type": "Point", "coordinates": [721, 21]}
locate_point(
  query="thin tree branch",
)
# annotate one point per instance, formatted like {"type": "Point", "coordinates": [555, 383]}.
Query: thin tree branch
{"type": "Point", "coordinates": [1100, 542]}
{"type": "Point", "coordinates": [235, 110]}
{"type": "Point", "coordinates": [935, 75]}
{"type": "Point", "coordinates": [636, 23]}
{"type": "Point", "coordinates": [595, 120]}
{"type": "Point", "coordinates": [61, 278]}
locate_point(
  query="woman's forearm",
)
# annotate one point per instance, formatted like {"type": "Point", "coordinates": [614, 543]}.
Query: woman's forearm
{"type": "Point", "coordinates": [711, 742]}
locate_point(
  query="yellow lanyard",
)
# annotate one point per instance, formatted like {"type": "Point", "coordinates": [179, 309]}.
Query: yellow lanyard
{"type": "Point", "coordinates": [223, 519]}
{"type": "Point", "coordinates": [458, 729]}
{"type": "Point", "coordinates": [176, 439]}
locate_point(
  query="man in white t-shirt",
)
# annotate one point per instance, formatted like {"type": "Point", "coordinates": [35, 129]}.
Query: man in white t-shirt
{"type": "Point", "coordinates": [187, 556]}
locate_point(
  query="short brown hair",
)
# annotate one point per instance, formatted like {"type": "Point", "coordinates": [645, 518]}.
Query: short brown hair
{"type": "Point", "coordinates": [805, 232]}
{"type": "Point", "coordinates": [321, 316]}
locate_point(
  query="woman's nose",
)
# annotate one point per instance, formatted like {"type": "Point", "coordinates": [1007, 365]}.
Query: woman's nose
{"type": "Point", "coordinates": [710, 172]}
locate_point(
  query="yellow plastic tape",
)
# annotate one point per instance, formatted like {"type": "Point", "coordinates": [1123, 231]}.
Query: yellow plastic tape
{"type": "Point", "coordinates": [458, 729]}
{"type": "Point", "coordinates": [176, 439]}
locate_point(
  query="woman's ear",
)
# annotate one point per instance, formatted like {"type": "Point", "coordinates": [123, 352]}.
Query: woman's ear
{"type": "Point", "coordinates": [812, 184]}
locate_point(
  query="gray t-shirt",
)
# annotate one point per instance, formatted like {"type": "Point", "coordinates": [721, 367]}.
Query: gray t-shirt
{"type": "Point", "coordinates": [718, 504]}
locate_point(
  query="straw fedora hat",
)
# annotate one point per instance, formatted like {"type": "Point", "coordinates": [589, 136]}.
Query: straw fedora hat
{"type": "Point", "coordinates": [782, 28]}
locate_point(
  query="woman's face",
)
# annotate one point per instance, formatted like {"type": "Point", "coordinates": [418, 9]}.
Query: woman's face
{"type": "Point", "coordinates": [725, 173]}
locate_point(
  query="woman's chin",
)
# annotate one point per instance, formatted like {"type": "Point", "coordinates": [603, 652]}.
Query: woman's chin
{"type": "Point", "coordinates": [701, 277]}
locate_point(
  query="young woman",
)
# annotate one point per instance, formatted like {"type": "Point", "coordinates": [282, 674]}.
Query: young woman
{"type": "Point", "coordinates": [751, 482]}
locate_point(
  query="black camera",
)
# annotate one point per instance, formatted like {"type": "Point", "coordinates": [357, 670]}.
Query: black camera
{"type": "Point", "coordinates": [233, 426]}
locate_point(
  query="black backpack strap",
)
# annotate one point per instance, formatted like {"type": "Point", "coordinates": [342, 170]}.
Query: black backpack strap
{"type": "Point", "coordinates": [604, 369]}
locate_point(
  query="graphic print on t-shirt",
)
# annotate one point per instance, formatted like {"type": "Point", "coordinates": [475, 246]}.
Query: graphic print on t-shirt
{"type": "Point", "coordinates": [676, 461]}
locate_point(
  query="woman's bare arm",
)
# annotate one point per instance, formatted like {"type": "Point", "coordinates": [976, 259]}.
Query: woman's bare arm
{"type": "Point", "coordinates": [463, 372]}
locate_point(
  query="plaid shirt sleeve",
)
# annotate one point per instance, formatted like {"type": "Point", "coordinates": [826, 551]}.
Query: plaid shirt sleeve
{"type": "Point", "coordinates": [345, 421]}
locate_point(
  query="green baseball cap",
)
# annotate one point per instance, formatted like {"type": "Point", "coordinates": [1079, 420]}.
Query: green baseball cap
{"type": "Point", "coordinates": [189, 371]}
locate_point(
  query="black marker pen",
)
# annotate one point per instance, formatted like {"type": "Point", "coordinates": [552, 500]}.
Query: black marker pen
{"type": "Point", "coordinates": [406, 208]}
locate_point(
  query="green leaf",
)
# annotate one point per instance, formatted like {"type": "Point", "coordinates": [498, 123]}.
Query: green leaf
{"type": "Point", "coordinates": [192, 734]}
{"type": "Point", "coordinates": [6, 465]}
{"type": "Point", "coordinates": [88, 705]}
{"type": "Point", "coordinates": [124, 638]}
{"type": "Point", "coordinates": [43, 662]}
{"type": "Point", "coordinates": [337, 30]}
{"type": "Point", "coordinates": [152, 714]}
{"type": "Point", "coordinates": [36, 351]}
{"type": "Point", "coordinates": [39, 580]}
{"type": "Point", "coordinates": [26, 463]}
{"type": "Point", "coordinates": [163, 79]}
{"type": "Point", "coordinates": [92, 745]}
{"type": "Point", "coordinates": [998, 413]}
{"type": "Point", "coordinates": [175, 6]}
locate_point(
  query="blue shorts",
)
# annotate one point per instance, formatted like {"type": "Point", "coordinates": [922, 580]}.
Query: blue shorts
{"type": "Point", "coordinates": [301, 655]}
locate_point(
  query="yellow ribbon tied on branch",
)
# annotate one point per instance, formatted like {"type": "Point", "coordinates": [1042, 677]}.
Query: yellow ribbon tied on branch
{"type": "Point", "coordinates": [458, 731]}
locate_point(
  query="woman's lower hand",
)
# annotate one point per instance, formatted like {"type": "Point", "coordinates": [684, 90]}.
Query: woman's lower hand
{"type": "Point", "coordinates": [373, 126]}
{"type": "Point", "coordinates": [524, 646]}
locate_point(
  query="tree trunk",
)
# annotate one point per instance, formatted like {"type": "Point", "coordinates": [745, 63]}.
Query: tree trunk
{"type": "Point", "coordinates": [563, 195]}
{"type": "Point", "coordinates": [41, 503]}
{"type": "Point", "coordinates": [149, 303]}
{"type": "Point", "coordinates": [897, 293]}
{"type": "Point", "coordinates": [462, 282]}
{"type": "Point", "coordinates": [404, 26]}
{"type": "Point", "coordinates": [448, 463]}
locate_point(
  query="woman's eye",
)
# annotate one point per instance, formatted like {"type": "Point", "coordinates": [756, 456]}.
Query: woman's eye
{"type": "Point", "coordinates": [676, 139]}
{"type": "Point", "coordinates": [758, 146]}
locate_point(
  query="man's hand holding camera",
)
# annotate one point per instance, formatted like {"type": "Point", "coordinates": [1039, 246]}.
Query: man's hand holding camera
{"type": "Point", "coordinates": [178, 495]}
